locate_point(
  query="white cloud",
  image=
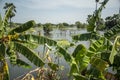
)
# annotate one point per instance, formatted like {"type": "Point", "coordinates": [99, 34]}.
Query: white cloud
{"type": "Point", "coordinates": [59, 10]}
{"type": "Point", "coordinates": [54, 4]}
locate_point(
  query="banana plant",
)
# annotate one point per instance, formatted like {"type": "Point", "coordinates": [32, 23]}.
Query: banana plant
{"type": "Point", "coordinates": [93, 20]}
{"type": "Point", "coordinates": [102, 52]}
{"type": "Point", "coordinates": [82, 57]}
{"type": "Point", "coordinates": [16, 41]}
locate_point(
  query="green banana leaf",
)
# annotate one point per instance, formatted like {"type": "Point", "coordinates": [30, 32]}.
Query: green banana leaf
{"type": "Point", "coordinates": [79, 77]}
{"type": "Point", "coordinates": [112, 32]}
{"type": "Point", "coordinates": [97, 47]}
{"type": "Point", "coordinates": [114, 50]}
{"type": "Point", "coordinates": [23, 27]}
{"type": "Point", "coordinates": [6, 17]}
{"type": "Point", "coordinates": [31, 45]}
{"type": "Point", "coordinates": [99, 63]}
{"type": "Point", "coordinates": [74, 67]}
{"type": "Point", "coordinates": [23, 64]}
{"type": "Point", "coordinates": [64, 43]}
{"type": "Point", "coordinates": [86, 36]}
{"type": "Point", "coordinates": [65, 54]}
{"type": "Point", "coordinates": [80, 49]}
{"type": "Point", "coordinates": [28, 53]}
{"type": "Point", "coordinates": [1, 27]}
{"type": "Point", "coordinates": [95, 74]}
{"type": "Point", "coordinates": [91, 22]}
{"type": "Point", "coordinates": [38, 39]}
{"type": "Point", "coordinates": [80, 57]}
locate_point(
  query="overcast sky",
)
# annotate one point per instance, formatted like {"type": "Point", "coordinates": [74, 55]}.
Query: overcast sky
{"type": "Point", "coordinates": [57, 11]}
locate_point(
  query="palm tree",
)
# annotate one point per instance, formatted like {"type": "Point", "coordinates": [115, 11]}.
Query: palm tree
{"type": "Point", "coordinates": [12, 12]}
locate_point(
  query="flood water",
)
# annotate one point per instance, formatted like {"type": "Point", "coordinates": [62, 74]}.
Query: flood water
{"type": "Point", "coordinates": [56, 34]}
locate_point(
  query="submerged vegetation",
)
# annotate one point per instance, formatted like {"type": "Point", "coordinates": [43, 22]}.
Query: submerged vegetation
{"type": "Point", "coordinates": [91, 63]}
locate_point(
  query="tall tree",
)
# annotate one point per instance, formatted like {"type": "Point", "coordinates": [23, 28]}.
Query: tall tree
{"type": "Point", "coordinates": [12, 12]}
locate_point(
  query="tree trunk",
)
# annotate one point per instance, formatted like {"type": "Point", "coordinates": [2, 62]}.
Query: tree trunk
{"type": "Point", "coordinates": [96, 6]}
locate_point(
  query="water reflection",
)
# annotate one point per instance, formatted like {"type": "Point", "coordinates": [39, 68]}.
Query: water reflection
{"type": "Point", "coordinates": [48, 34]}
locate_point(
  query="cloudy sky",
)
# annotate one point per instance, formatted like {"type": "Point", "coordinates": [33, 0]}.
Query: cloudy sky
{"type": "Point", "coordinates": [57, 11]}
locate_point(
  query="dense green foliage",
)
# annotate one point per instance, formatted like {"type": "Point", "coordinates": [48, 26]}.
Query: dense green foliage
{"type": "Point", "coordinates": [112, 21]}
{"type": "Point", "coordinates": [103, 52]}
{"type": "Point", "coordinates": [80, 25]}
{"type": "Point", "coordinates": [47, 27]}
{"type": "Point", "coordinates": [85, 63]}
{"type": "Point", "coordinates": [16, 41]}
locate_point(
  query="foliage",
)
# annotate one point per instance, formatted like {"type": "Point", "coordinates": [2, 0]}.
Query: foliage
{"type": "Point", "coordinates": [12, 11]}
{"type": "Point", "coordinates": [102, 52]}
{"type": "Point", "coordinates": [112, 32]}
{"type": "Point", "coordinates": [61, 26]}
{"type": "Point", "coordinates": [93, 20]}
{"type": "Point", "coordinates": [79, 25]}
{"type": "Point", "coordinates": [113, 24]}
{"type": "Point", "coordinates": [65, 24]}
{"type": "Point", "coordinates": [112, 21]}
{"type": "Point", "coordinates": [47, 27]}
{"type": "Point", "coordinates": [85, 63]}
{"type": "Point", "coordinates": [86, 36]}
{"type": "Point", "coordinates": [115, 49]}
{"type": "Point", "coordinates": [16, 41]}
{"type": "Point", "coordinates": [64, 43]}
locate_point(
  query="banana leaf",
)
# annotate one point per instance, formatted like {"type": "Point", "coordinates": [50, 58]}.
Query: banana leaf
{"type": "Point", "coordinates": [79, 77]}
{"type": "Point", "coordinates": [65, 54]}
{"type": "Point", "coordinates": [112, 32]}
{"type": "Point", "coordinates": [114, 50]}
{"type": "Point", "coordinates": [80, 57]}
{"type": "Point", "coordinates": [97, 47]}
{"type": "Point", "coordinates": [28, 53]}
{"type": "Point", "coordinates": [1, 27]}
{"type": "Point", "coordinates": [31, 45]}
{"type": "Point", "coordinates": [23, 64]}
{"type": "Point", "coordinates": [38, 39]}
{"type": "Point", "coordinates": [86, 36]}
{"type": "Point", "coordinates": [80, 49]}
{"type": "Point", "coordinates": [64, 43]}
{"type": "Point", "coordinates": [6, 17]}
{"type": "Point", "coordinates": [74, 67]}
{"type": "Point", "coordinates": [23, 27]}
{"type": "Point", "coordinates": [100, 64]}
